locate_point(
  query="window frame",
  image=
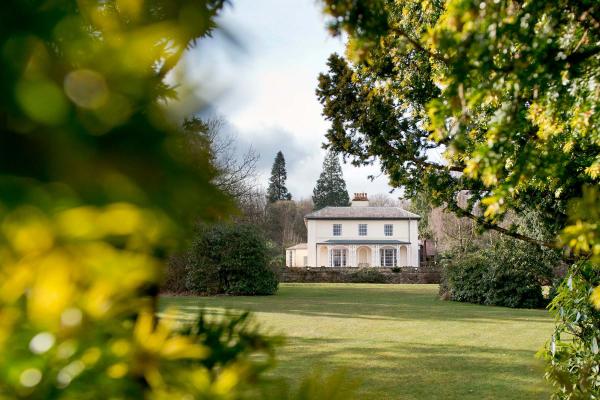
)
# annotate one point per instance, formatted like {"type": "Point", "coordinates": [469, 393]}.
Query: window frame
{"type": "Point", "coordinates": [339, 256]}
{"type": "Point", "coordinates": [392, 257]}
{"type": "Point", "coordinates": [366, 230]}
{"type": "Point", "coordinates": [339, 233]}
{"type": "Point", "coordinates": [391, 229]}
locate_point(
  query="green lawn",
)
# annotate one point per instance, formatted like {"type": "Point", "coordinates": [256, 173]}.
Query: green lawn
{"type": "Point", "coordinates": [400, 340]}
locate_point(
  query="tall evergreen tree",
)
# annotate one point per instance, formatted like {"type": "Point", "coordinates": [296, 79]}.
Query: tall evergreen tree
{"type": "Point", "coordinates": [331, 187]}
{"type": "Point", "coordinates": [277, 189]}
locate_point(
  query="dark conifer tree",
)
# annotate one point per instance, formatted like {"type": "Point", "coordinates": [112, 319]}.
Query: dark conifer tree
{"type": "Point", "coordinates": [331, 187]}
{"type": "Point", "coordinates": [277, 189]}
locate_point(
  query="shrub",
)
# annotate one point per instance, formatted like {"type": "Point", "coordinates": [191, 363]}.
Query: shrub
{"type": "Point", "coordinates": [509, 274]}
{"type": "Point", "coordinates": [367, 275]}
{"type": "Point", "coordinates": [463, 278]}
{"type": "Point", "coordinates": [230, 259]}
{"type": "Point", "coordinates": [396, 270]}
{"type": "Point", "coordinates": [516, 288]}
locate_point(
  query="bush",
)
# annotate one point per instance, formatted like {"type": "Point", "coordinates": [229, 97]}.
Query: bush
{"type": "Point", "coordinates": [396, 270]}
{"type": "Point", "coordinates": [230, 259]}
{"type": "Point", "coordinates": [367, 275]}
{"type": "Point", "coordinates": [509, 274]}
{"type": "Point", "coordinates": [463, 278]}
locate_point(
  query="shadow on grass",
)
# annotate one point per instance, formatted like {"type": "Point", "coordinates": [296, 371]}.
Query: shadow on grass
{"type": "Point", "coordinates": [422, 370]}
{"type": "Point", "coordinates": [400, 340]}
{"type": "Point", "coordinates": [370, 303]}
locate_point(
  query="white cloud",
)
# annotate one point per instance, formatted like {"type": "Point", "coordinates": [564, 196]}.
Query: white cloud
{"type": "Point", "coordinates": [266, 92]}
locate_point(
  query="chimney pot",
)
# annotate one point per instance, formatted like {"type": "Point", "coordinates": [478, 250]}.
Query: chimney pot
{"type": "Point", "coordinates": [360, 199]}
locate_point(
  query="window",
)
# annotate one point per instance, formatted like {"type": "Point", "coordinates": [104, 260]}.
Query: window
{"type": "Point", "coordinates": [337, 229]}
{"type": "Point", "coordinates": [388, 257]}
{"type": "Point", "coordinates": [388, 229]}
{"type": "Point", "coordinates": [338, 257]}
{"type": "Point", "coordinates": [362, 229]}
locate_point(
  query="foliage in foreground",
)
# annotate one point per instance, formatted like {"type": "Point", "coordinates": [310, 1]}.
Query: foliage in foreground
{"type": "Point", "coordinates": [86, 212]}
{"type": "Point", "coordinates": [471, 81]}
{"type": "Point", "coordinates": [230, 259]}
{"type": "Point", "coordinates": [96, 187]}
{"type": "Point", "coordinates": [508, 274]}
{"type": "Point", "coordinates": [573, 353]}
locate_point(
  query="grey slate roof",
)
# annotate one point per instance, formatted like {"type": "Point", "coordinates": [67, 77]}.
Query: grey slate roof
{"type": "Point", "coordinates": [341, 241]}
{"type": "Point", "coordinates": [362, 213]}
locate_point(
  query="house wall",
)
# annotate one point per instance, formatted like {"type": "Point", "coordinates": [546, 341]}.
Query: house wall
{"type": "Point", "coordinates": [322, 230]}
{"type": "Point", "coordinates": [311, 240]}
{"type": "Point", "coordinates": [296, 258]}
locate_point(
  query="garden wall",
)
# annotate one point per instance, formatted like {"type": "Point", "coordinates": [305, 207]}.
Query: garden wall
{"type": "Point", "coordinates": [356, 275]}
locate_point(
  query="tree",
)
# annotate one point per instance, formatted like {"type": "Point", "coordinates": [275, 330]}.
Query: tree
{"type": "Point", "coordinates": [371, 118]}
{"type": "Point", "coordinates": [303, 207]}
{"type": "Point", "coordinates": [505, 91]}
{"type": "Point", "coordinates": [235, 174]}
{"type": "Point", "coordinates": [383, 200]}
{"type": "Point", "coordinates": [281, 222]}
{"type": "Point", "coordinates": [331, 187]}
{"type": "Point", "coordinates": [277, 190]}
{"type": "Point", "coordinates": [421, 205]}
{"type": "Point", "coordinates": [285, 222]}
{"type": "Point", "coordinates": [455, 234]}
{"type": "Point", "coordinates": [253, 208]}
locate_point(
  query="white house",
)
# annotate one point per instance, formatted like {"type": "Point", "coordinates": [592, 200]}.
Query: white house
{"type": "Point", "coordinates": [358, 236]}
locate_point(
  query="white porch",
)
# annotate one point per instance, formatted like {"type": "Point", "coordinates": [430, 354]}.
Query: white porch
{"type": "Point", "coordinates": [363, 255]}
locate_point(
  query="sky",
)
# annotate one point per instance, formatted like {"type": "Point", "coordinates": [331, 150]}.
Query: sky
{"type": "Point", "coordinates": [263, 70]}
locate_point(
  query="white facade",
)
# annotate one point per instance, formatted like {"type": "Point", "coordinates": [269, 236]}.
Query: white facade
{"type": "Point", "coordinates": [296, 256]}
{"type": "Point", "coordinates": [362, 251]}
{"type": "Point", "coordinates": [361, 236]}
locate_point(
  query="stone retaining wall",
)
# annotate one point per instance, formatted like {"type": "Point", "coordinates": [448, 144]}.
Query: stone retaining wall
{"type": "Point", "coordinates": [358, 275]}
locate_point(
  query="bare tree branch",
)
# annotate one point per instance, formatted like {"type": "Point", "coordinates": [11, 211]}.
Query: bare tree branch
{"type": "Point", "coordinates": [488, 225]}
{"type": "Point", "coordinates": [235, 173]}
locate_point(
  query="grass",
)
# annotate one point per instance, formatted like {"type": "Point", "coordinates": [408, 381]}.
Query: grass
{"type": "Point", "coordinates": [400, 340]}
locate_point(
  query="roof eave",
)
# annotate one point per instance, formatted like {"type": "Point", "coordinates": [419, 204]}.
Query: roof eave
{"type": "Point", "coordinates": [365, 242]}
{"type": "Point", "coordinates": [362, 218]}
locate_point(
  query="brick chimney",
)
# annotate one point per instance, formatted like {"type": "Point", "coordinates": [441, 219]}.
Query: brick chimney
{"type": "Point", "coordinates": [360, 200]}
